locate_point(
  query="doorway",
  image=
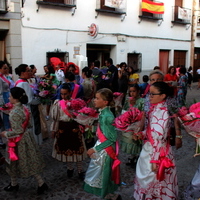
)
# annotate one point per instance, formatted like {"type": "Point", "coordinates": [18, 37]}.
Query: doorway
{"type": "Point", "coordinates": [164, 60]}
{"type": "Point", "coordinates": [98, 52]}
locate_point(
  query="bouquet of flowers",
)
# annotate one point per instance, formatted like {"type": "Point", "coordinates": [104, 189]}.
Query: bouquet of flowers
{"type": "Point", "coordinates": [118, 99]}
{"type": "Point", "coordinates": [86, 117]}
{"type": "Point", "coordinates": [129, 121]}
{"type": "Point", "coordinates": [190, 119]}
{"type": "Point", "coordinates": [46, 91]}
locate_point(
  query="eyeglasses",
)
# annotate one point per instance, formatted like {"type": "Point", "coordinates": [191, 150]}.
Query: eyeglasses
{"type": "Point", "coordinates": [153, 94]}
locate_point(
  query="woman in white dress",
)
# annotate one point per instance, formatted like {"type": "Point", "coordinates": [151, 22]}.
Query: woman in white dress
{"type": "Point", "coordinates": [156, 176]}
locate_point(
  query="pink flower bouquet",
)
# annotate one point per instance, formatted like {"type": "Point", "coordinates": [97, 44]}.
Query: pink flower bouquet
{"type": "Point", "coordinates": [129, 121]}
{"type": "Point", "coordinates": [190, 119]}
{"type": "Point", "coordinates": [86, 117]}
{"type": "Point", "coordinates": [43, 93]}
{"type": "Point", "coordinates": [118, 99]}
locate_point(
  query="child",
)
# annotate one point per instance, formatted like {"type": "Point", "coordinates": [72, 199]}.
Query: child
{"type": "Point", "coordinates": [24, 157]}
{"type": "Point", "coordinates": [69, 143]}
{"type": "Point", "coordinates": [128, 145]}
{"type": "Point", "coordinates": [156, 176]}
{"type": "Point", "coordinates": [101, 178]}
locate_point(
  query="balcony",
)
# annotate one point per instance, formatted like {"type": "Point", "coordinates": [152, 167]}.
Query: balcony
{"type": "Point", "coordinates": [102, 7]}
{"type": "Point", "coordinates": [181, 15]}
{"type": "Point", "coordinates": [57, 3]}
{"type": "Point", "coordinates": [3, 7]}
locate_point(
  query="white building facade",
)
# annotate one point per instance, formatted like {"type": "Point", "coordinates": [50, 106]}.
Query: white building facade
{"type": "Point", "coordinates": [126, 34]}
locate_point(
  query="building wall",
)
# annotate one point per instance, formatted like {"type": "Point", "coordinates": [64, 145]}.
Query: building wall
{"type": "Point", "coordinates": [56, 28]}
{"type": "Point", "coordinates": [13, 46]}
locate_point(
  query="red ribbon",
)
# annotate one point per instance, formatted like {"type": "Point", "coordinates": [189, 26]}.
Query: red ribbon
{"type": "Point", "coordinates": [12, 141]}
{"type": "Point", "coordinates": [5, 79]}
{"type": "Point", "coordinates": [20, 81]}
{"type": "Point", "coordinates": [111, 152]}
{"type": "Point", "coordinates": [164, 163]}
{"type": "Point", "coordinates": [63, 105]}
{"type": "Point", "coordinates": [75, 91]}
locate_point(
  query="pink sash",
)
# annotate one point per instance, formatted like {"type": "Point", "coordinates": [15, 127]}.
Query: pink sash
{"type": "Point", "coordinates": [75, 91]}
{"type": "Point", "coordinates": [12, 141]}
{"type": "Point", "coordinates": [63, 105]}
{"type": "Point", "coordinates": [111, 152]}
{"type": "Point", "coordinates": [20, 81]}
{"type": "Point", "coordinates": [146, 91]}
{"type": "Point", "coordinates": [5, 79]}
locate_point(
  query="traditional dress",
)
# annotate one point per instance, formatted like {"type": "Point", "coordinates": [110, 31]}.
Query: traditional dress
{"type": "Point", "coordinates": [156, 149]}
{"type": "Point", "coordinates": [182, 90]}
{"type": "Point", "coordinates": [30, 161]}
{"type": "Point", "coordinates": [99, 176]}
{"type": "Point", "coordinates": [69, 145]}
{"type": "Point", "coordinates": [128, 145]}
{"type": "Point", "coordinates": [23, 83]}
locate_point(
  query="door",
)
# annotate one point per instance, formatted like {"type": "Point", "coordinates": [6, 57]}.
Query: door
{"type": "Point", "coordinates": [164, 60]}
{"type": "Point", "coordinates": [179, 58]}
{"type": "Point", "coordinates": [135, 60]}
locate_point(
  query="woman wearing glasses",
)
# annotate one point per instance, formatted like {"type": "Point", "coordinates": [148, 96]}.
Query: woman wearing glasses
{"type": "Point", "coordinates": [156, 176]}
{"type": "Point", "coordinates": [24, 72]}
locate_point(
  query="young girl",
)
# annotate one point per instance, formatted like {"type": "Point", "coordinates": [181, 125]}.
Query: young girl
{"type": "Point", "coordinates": [24, 157]}
{"type": "Point", "coordinates": [128, 145]}
{"type": "Point", "coordinates": [156, 176]}
{"type": "Point", "coordinates": [69, 143]}
{"type": "Point", "coordinates": [102, 176]}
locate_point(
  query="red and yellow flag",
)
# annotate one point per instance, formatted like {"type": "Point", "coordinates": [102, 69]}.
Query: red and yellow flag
{"type": "Point", "coordinates": [152, 7]}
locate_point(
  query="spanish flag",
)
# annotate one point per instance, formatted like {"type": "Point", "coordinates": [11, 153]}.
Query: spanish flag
{"type": "Point", "coordinates": [152, 7]}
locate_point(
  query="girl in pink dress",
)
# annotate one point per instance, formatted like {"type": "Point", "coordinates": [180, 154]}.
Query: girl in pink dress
{"type": "Point", "coordinates": [156, 176]}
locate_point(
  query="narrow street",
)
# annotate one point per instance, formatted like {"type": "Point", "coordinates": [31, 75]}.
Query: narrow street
{"type": "Point", "coordinates": [63, 188]}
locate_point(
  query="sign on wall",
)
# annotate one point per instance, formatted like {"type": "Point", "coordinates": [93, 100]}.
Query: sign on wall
{"type": "Point", "coordinates": [121, 4]}
{"type": "Point", "coordinates": [93, 30]}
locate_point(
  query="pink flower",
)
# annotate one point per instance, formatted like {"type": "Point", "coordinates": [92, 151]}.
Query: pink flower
{"type": "Point", "coordinates": [44, 93]}
{"type": "Point", "coordinates": [77, 104]}
{"type": "Point", "coordinates": [183, 111]}
{"type": "Point", "coordinates": [89, 112]}
{"type": "Point", "coordinates": [128, 118]}
{"type": "Point", "coordinates": [117, 94]}
{"type": "Point", "coordinates": [195, 108]}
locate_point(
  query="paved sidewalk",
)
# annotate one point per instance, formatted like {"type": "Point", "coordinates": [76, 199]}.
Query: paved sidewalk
{"type": "Point", "coordinates": [63, 188]}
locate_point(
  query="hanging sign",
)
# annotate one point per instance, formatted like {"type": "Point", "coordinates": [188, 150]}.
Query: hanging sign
{"type": "Point", "coordinates": [93, 30]}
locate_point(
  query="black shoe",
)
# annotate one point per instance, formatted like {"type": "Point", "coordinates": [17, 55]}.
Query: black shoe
{"type": "Point", "coordinates": [81, 175]}
{"type": "Point", "coordinates": [43, 188]}
{"type": "Point", "coordinates": [11, 188]}
{"type": "Point", "coordinates": [70, 173]}
{"type": "Point", "coordinates": [2, 160]}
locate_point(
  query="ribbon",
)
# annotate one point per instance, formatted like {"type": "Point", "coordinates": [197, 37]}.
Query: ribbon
{"type": "Point", "coordinates": [164, 163]}
{"type": "Point", "coordinates": [75, 91]}
{"type": "Point", "coordinates": [12, 141]}
{"type": "Point", "coordinates": [63, 105]}
{"type": "Point", "coordinates": [111, 152]}
{"type": "Point", "coordinates": [20, 81]}
{"type": "Point", "coordinates": [5, 79]}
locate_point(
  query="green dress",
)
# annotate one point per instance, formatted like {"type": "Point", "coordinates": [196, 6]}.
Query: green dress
{"type": "Point", "coordinates": [98, 176]}
{"type": "Point", "coordinates": [127, 144]}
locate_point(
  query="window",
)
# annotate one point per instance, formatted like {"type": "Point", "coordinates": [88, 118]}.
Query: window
{"type": "Point", "coordinates": [3, 6]}
{"type": "Point", "coordinates": [118, 7]}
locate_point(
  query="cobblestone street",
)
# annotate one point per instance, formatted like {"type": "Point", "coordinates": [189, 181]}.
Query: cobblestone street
{"type": "Point", "coordinates": [63, 188]}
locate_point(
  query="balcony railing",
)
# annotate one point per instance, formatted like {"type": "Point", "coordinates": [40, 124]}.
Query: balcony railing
{"type": "Point", "coordinates": [58, 3]}
{"type": "Point", "coordinates": [3, 6]}
{"type": "Point", "coordinates": [62, 3]}
{"type": "Point", "coordinates": [181, 15]}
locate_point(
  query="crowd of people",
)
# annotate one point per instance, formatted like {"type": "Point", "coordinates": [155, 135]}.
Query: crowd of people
{"type": "Point", "coordinates": [28, 103]}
